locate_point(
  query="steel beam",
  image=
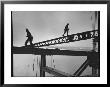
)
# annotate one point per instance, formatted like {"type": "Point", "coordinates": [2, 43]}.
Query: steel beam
{"type": "Point", "coordinates": [43, 64]}
{"type": "Point", "coordinates": [39, 51]}
{"type": "Point", "coordinates": [82, 68]}
{"type": "Point", "coordinates": [56, 72]}
{"type": "Point", "coordinates": [70, 38]}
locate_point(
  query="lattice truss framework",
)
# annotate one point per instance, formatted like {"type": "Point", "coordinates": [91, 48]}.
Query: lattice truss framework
{"type": "Point", "coordinates": [70, 38]}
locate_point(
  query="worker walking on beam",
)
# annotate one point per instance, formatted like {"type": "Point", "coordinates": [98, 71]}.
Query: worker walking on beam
{"type": "Point", "coordinates": [66, 29]}
{"type": "Point", "coordinates": [29, 39]}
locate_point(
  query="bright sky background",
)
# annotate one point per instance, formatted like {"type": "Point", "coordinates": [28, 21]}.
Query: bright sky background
{"type": "Point", "coordinates": [45, 25]}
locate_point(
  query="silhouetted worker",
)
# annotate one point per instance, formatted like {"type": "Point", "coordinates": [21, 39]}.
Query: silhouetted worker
{"type": "Point", "coordinates": [29, 39]}
{"type": "Point", "coordinates": [66, 29]}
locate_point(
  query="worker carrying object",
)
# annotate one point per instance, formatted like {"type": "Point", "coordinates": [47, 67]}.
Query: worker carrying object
{"type": "Point", "coordinates": [29, 39]}
{"type": "Point", "coordinates": [66, 29]}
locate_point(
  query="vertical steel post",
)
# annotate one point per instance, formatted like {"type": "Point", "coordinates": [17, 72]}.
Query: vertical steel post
{"type": "Point", "coordinates": [11, 44]}
{"type": "Point", "coordinates": [43, 64]}
{"type": "Point", "coordinates": [94, 70]}
{"type": "Point", "coordinates": [94, 24]}
{"type": "Point", "coordinates": [99, 41]}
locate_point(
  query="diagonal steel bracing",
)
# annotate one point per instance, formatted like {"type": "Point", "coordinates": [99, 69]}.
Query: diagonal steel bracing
{"type": "Point", "coordinates": [82, 68]}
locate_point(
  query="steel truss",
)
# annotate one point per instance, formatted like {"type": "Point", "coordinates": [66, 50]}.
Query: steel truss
{"type": "Point", "coordinates": [69, 38]}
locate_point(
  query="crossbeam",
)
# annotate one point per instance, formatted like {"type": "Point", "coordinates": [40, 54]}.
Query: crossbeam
{"type": "Point", "coordinates": [41, 51]}
{"type": "Point", "coordinates": [56, 72]}
{"type": "Point", "coordinates": [70, 38]}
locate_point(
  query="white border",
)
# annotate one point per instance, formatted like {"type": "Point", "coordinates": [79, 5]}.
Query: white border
{"type": "Point", "coordinates": [55, 80]}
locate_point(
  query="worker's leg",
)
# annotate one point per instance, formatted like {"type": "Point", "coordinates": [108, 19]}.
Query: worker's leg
{"type": "Point", "coordinates": [64, 32]}
{"type": "Point", "coordinates": [26, 42]}
{"type": "Point", "coordinates": [67, 32]}
{"type": "Point", "coordinates": [31, 39]}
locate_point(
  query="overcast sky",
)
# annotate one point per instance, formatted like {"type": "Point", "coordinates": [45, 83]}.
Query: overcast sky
{"type": "Point", "coordinates": [45, 25]}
